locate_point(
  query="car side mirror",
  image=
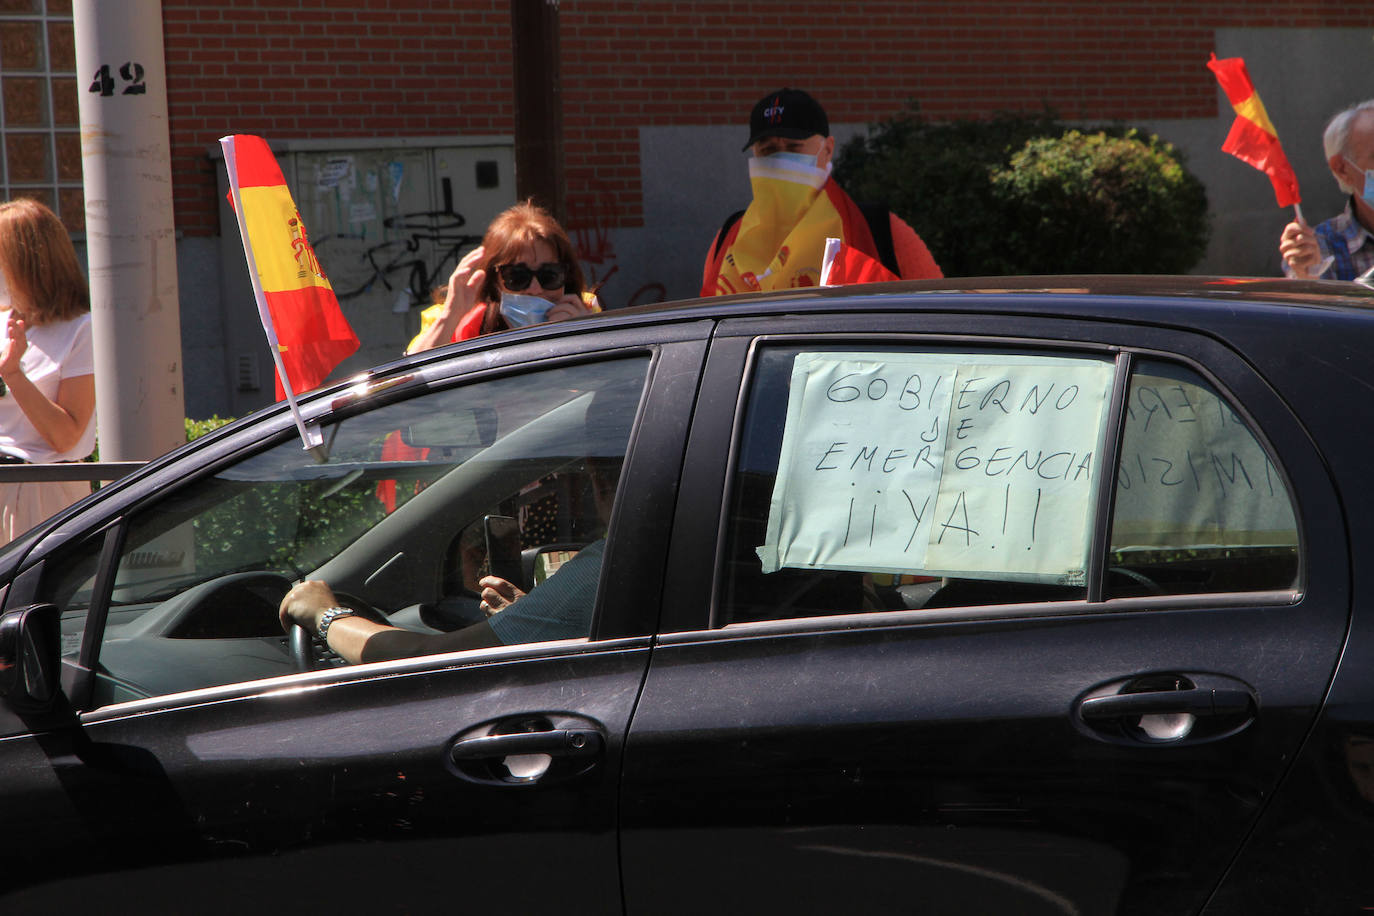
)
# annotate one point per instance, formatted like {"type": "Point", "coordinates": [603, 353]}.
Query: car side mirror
{"type": "Point", "coordinates": [30, 656]}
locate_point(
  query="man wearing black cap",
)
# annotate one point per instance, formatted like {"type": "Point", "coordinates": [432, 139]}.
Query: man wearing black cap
{"type": "Point", "coordinates": [779, 241]}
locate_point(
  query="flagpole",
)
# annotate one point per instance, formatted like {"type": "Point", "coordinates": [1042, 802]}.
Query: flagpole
{"type": "Point", "coordinates": [1297, 211]}
{"type": "Point", "coordinates": [311, 437]}
{"type": "Point", "coordinates": [832, 248]}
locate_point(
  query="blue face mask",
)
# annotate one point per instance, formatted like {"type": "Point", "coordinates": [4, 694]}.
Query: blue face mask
{"type": "Point", "coordinates": [520, 310]}
{"type": "Point", "coordinates": [796, 167]}
{"type": "Point", "coordinates": [805, 159]}
{"type": "Point", "coordinates": [1368, 192]}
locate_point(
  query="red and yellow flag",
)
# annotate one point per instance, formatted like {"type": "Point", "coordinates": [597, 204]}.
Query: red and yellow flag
{"type": "Point", "coordinates": [1253, 139]}
{"type": "Point", "coordinates": [299, 311]}
{"type": "Point", "coordinates": [779, 242]}
{"type": "Point", "coordinates": [853, 266]}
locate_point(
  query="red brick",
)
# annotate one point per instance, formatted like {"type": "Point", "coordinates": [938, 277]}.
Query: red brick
{"type": "Point", "coordinates": [308, 68]}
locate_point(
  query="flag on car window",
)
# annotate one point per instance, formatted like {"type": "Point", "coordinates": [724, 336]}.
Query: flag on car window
{"type": "Point", "coordinates": [305, 327]}
{"type": "Point", "coordinates": [1253, 139]}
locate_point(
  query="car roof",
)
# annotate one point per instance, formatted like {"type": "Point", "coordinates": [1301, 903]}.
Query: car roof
{"type": "Point", "coordinates": [1084, 288]}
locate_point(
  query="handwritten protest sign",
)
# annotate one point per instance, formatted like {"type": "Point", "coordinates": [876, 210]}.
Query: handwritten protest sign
{"type": "Point", "coordinates": [1192, 474]}
{"type": "Point", "coordinates": [1015, 496]}
{"type": "Point", "coordinates": [897, 462]}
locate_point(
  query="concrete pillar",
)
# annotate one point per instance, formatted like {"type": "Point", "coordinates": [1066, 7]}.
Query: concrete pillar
{"type": "Point", "coordinates": [130, 237]}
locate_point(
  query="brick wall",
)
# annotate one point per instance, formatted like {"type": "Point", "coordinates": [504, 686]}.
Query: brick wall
{"type": "Point", "coordinates": [321, 68]}
{"type": "Point", "coordinates": [294, 69]}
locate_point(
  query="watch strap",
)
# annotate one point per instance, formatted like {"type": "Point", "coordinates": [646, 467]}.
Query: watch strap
{"type": "Point", "coordinates": [329, 616]}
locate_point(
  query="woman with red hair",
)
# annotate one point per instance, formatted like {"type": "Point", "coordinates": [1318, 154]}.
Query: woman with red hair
{"type": "Point", "coordinates": [524, 272]}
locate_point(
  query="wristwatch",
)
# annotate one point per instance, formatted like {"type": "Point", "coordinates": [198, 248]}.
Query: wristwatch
{"type": "Point", "coordinates": [329, 616]}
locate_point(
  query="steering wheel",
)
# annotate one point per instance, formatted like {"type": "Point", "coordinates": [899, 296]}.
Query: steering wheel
{"type": "Point", "coordinates": [308, 651]}
{"type": "Point", "coordinates": [1150, 586]}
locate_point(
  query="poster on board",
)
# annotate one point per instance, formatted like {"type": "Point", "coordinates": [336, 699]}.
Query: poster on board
{"type": "Point", "coordinates": [898, 462]}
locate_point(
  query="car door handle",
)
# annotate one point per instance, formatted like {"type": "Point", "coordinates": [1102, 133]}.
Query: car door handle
{"type": "Point", "coordinates": [562, 742]}
{"type": "Point", "coordinates": [1199, 701]}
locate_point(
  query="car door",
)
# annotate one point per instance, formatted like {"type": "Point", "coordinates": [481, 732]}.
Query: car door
{"type": "Point", "coordinates": [1087, 716]}
{"type": "Point", "coordinates": [186, 766]}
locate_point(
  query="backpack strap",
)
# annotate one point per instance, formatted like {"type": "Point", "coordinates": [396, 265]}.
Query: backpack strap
{"type": "Point", "coordinates": [724, 232]}
{"type": "Point", "coordinates": [879, 219]}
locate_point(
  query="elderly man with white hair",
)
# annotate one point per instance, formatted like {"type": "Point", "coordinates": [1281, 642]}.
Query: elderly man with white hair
{"type": "Point", "coordinates": [1342, 248]}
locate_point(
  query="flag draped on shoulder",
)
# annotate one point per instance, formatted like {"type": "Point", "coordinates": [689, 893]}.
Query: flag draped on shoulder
{"type": "Point", "coordinates": [779, 241]}
{"type": "Point", "coordinates": [305, 327]}
{"type": "Point", "coordinates": [1253, 139]}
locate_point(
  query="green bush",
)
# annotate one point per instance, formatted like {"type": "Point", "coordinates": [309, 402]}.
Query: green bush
{"type": "Point", "coordinates": [1027, 194]}
{"type": "Point", "coordinates": [197, 428]}
{"type": "Point", "coordinates": [1094, 203]}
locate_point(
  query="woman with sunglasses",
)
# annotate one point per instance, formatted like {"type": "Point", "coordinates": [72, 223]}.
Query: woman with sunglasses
{"type": "Point", "coordinates": [523, 273]}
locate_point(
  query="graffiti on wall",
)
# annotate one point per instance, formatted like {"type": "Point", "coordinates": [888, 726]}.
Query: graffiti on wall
{"type": "Point", "coordinates": [417, 252]}
{"type": "Point", "coordinates": [386, 248]}
{"type": "Point", "coordinates": [591, 216]}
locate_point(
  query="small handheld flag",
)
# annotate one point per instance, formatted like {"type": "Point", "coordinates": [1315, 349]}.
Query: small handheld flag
{"type": "Point", "coordinates": [1253, 139]}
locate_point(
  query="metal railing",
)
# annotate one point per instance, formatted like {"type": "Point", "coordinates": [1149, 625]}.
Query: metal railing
{"type": "Point", "coordinates": [94, 471]}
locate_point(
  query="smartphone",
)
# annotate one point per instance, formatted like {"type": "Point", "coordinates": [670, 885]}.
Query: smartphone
{"type": "Point", "coordinates": [503, 548]}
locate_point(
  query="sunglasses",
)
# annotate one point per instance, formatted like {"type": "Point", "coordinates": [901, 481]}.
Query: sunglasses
{"type": "Point", "coordinates": [517, 277]}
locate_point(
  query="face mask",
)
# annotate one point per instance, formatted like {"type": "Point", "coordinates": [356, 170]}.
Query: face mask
{"type": "Point", "coordinates": [795, 168]}
{"type": "Point", "coordinates": [520, 310]}
{"type": "Point", "coordinates": [1368, 192]}
{"type": "Point", "coordinates": [792, 159]}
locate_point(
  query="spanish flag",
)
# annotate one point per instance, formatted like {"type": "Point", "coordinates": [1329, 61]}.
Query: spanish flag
{"type": "Point", "coordinates": [1253, 139]}
{"type": "Point", "coordinates": [779, 242]}
{"type": "Point", "coordinates": [305, 327]}
{"type": "Point", "coordinates": [850, 266]}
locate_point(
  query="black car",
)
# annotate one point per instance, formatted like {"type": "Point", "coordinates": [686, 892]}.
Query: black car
{"type": "Point", "coordinates": [952, 597]}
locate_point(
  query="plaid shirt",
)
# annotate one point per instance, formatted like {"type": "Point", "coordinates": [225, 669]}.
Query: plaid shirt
{"type": "Point", "coordinates": [1348, 245]}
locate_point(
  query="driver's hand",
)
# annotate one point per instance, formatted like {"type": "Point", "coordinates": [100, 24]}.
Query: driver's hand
{"type": "Point", "coordinates": [304, 604]}
{"type": "Point", "coordinates": [497, 594]}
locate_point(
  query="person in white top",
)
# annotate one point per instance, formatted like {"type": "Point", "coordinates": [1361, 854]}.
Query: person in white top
{"type": "Point", "coordinates": [47, 408]}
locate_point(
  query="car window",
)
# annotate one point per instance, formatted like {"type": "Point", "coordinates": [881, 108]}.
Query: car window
{"type": "Point", "coordinates": [893, 479]}
{"type": "Point", "coordinates": [392, 513]}
{"type": "Point", "coordinates": [1200, 505]}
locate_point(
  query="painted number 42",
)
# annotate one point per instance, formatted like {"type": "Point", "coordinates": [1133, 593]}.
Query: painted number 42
{"type": "Point", "coordinates": [131, 73]}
